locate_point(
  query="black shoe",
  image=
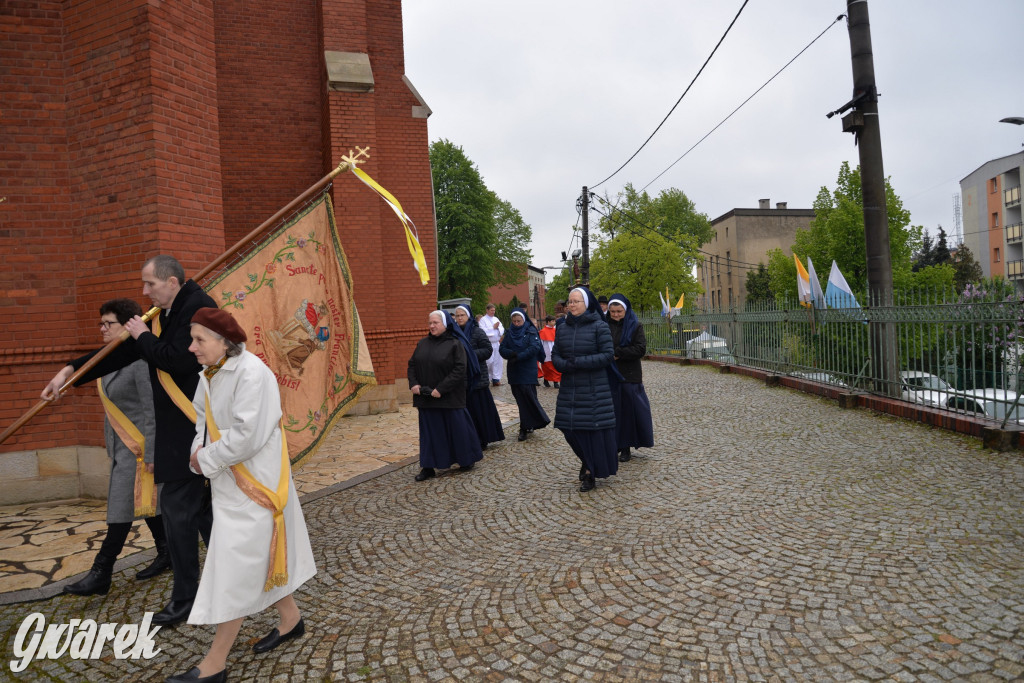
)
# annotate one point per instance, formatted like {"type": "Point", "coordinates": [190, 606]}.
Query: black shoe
{"type": "Point", "coordinates": [495, 383]}
{"type": "Point", "coordinates": [546, 383]}
{"type": "Point", "coordinates": [96, 582]}
{"type": "Point", "coordinates": [273, 639]}
{"type": "Point", "coordinates": [556, 385]}
{"type": "Point", "coordinates": [192, 676]}
{"type": "Point", "coordinates": [522, 435]}
{"type": "Point", "coordinates": [583, 472]}
{"type": "Point", "coordinates": [483, 446]}
{"type": "Point", "coordinates": [466, 468]}
{"type": "Point", "coordinates": [176, 612]}
{"type": "Point", "coordinates": [624, 455]}
{"type": "Point", "coordinates": [160, 564]}
{"type": "Point", "coordinates": [425, 473]}
{"type": "Point", "coordinates": [587, 484]}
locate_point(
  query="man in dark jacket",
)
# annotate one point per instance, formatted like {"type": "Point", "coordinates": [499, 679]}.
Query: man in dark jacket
{"type": "Point", "coordinates": [174, 372]}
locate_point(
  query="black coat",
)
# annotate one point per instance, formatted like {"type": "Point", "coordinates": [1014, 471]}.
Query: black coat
{"type": "Point", "coordinates": [439, 363]}
{"type": "Point", "coordinates": [169, 352]}
{"type": "Point", "coordinates": [627, 358]}
{"type": "Point", "coordinates": [522, 363]}
{"type": "Point", "coordinates": [582, 353]}
{"type": "Point", "coordinates": [483, 350]}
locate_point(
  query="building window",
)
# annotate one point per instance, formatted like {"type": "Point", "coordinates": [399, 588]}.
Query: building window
{"type": "Point", "coordinates": [996, 251]}
{"type": "Point", "coordinates": [994, 223]}
{"type": "Point", "coordinates": [728, 267]}
{"type": "Point", "coordinates": [993, 185]}
{"type": "Point", "coordinates": [727, 232]}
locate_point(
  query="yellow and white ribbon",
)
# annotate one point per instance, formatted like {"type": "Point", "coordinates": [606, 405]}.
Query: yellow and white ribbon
{"type": "Point", "coordinates": [411, 234]}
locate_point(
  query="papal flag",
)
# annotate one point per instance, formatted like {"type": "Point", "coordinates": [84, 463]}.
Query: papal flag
{"type": "Point", "coordinates": [803, 283]}
{"type": "Point", "coordinates": [838, 292]}
{"type": "Point", "coordinates": [292, 294]}
{"type": "Point", "coordinates": [817, 296]}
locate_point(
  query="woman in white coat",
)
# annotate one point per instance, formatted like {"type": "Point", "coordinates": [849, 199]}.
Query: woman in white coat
{"type": "Point", "coordinates": [259, 550]}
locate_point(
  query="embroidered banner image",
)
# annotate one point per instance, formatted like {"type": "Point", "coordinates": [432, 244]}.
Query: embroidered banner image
{"type": "Point", "coordinates": [293, 297]}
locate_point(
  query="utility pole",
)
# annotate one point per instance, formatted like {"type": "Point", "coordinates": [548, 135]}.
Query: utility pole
{"type": "Point", "coordinates": [863, 123]}
{"type": "Point", "coordinates": [585, 209]}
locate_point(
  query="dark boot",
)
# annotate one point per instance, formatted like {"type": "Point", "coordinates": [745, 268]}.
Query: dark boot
{"type": "Point", "coordinates": [547, 384]}
{"type": "Point", "coordinates": [522, 434]}
{"type": "Point", "coordinates": [588, 483]}
{"type": "Point", "coordinates": [556, 385]}
{"type": "Point", "coordinates": [624, 455]}
{"type": "Point", "coordinates": [96, 582]}
{"type": "Point", "coordinates": [425, 473]}
{"type": "Point", "coordinates": [160, 563]}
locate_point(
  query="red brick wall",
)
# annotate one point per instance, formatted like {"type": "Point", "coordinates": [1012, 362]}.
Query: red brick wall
{"type": "Point", "coordinates": [130, 128]}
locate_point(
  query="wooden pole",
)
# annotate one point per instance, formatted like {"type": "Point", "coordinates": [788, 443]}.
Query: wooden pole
{"type": "Point", "coordinates": [347, 163]}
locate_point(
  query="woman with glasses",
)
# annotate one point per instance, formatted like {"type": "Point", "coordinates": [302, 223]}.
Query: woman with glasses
{"type": "Point", "coordinates": [129, 429]}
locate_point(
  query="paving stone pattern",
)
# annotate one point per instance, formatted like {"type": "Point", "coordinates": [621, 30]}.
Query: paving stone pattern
{"type": "Point", "coordinates": [769, 536]}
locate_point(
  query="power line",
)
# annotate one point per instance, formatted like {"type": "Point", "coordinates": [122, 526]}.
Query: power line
{"type": "Point", "coordinates": [742, 104]}
{"type": "Point", "coordinates": [680, 97]}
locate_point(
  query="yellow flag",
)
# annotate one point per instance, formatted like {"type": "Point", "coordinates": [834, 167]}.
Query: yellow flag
{"type": "Point", "coordinates": [411, 235]}
{"type": "Point", "coordinates": [682, 297]}
{"type": "Point", "coordinates": [803, 283]}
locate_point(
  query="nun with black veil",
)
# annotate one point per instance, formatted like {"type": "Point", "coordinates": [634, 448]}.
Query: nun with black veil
{"type": "Point", "coordinates": [522, 349]}
{"type": "Point", "coordinates": [479, 401]}
{"type": "Point", "coordinates": [437, 380]}
{"type": "Point", "coordinates": [585, 411]}
{"type": "Point", "coordinates": [634, 427]}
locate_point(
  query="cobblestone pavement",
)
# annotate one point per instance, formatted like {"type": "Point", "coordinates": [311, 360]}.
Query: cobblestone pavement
{"type": "Point", "coordinates": [769, 535]}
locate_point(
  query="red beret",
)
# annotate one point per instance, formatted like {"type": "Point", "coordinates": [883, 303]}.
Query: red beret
{"type": "Point", "coordinates": [221, 322]}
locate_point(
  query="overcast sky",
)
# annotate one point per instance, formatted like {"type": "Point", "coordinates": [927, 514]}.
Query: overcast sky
{"type": "Point", "coordinates": [545, 97]}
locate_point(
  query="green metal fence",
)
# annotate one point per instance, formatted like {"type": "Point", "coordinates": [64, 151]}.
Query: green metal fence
{"type": "Point", "coordinates": [958, 352]}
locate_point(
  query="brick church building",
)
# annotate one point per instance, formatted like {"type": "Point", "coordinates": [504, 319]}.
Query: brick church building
{"type": "Point", "coordinates": [130, 128]}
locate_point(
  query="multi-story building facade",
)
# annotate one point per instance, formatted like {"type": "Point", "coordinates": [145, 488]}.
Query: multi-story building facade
{"type": "Point", "coordinates": [990, 197]}
{"type": "Point", "coordinates": [530, 291]}
{"type": "Point", "coordinates": [743, 238]}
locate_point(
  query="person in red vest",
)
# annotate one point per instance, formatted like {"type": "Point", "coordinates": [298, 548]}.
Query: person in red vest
{"type": "Point", "coordinates": [547, 340]}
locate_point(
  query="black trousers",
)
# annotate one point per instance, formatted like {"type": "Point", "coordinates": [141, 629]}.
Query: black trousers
{"type": "Point", "coordinates": [187, 512]}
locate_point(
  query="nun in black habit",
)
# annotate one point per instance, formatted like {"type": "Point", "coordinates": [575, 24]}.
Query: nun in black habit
{"type": "Point", "coordinates": [634, 427]}
{"type": "Point", "coordinates": [585, 412]}
{"type": "Point", "coordinates": [522, 349]}
{"type": "Point", "coordinates": [437, 380]}
{"type": "Point", "coordinates": [479, 401]}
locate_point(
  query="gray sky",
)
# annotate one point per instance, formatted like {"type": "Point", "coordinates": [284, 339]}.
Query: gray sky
{"type": "Point", "coordinates": [546, 97]}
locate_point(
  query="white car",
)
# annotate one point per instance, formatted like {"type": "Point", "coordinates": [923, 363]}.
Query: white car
{"type": "Point", "coordinates": [991, 403]}
{"type": "Point", "coordinates": [922, 387]}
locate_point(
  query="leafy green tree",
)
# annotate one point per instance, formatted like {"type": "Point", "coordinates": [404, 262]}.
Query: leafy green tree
{"type": "Point", "coordinates": [925, 255]}
{"type": "Point", "coordinates": [670, 214]}
{"type": "Point", "coordinates": [837, 233]}
{"type": "Point", "coordinates": [466, 235]}
{"type": "Point", "coordinates": [942, 254]}
{"type": "Point", "coordinates": [759, 285]}
{"type": "Point", "coordinates": [641, 265]}
{"type": "Point", "coordinates": [965, 269]}
{"type": "Point", "coordinates": [512, 235]}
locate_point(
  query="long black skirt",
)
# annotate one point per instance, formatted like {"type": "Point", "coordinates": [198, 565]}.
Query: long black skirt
{"type": "Point", "coordinates": [634, 427]}
{"type": "Point", "coordinates": [595, 449]}
{"type": "Point", "coordinates": [531, 414]}
{"type": "Point", "coordinates": [447, 437]}
{"type": "Point", "coordinates": [480, 404]}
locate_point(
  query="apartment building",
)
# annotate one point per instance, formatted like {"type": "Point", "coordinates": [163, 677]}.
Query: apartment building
{"type": "Point", "coordinates": [990, 197]}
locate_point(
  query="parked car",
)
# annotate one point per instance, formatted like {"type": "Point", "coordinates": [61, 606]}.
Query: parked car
{"type": "Point", "coordinates": [991, 403]}
{"type": "Point", "coordinates": [922, 387]}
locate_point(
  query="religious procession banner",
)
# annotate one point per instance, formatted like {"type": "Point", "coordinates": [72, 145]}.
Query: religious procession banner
{"type": "Point", "coordinates": [292, 294]}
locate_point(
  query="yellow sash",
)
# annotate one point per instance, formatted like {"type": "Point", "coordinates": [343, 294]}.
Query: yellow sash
{"type": "Point", "coordinates": [177, 395]}
{"type": "Point", "coordinates": [277, 572]}
{"type": "Point", "coordinates": [145, 489]}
